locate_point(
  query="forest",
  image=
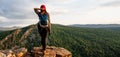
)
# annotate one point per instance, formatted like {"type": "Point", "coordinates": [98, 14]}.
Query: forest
{"type": "Point", "coordinates": [82, 42]}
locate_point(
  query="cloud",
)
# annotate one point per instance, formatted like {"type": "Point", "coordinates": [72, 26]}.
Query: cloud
{"type": "Point", "coordinates": [104, 1]}
{"type": "Point", "coordinates": [20, 12]}
{"type": "Point", "coordinates": [104, 15]}
{"type": "Point", "coordinates": [3, 19]}
{"type": "Point", "coordinates": [61, 1]}
{"type": "Point", "coordinates": [16, 13]}
{"type": "Point", "coordinates": [16, 9]}
{"type": "Point", "coordinates": [113, 4]}
{"type": "Point", "coordinates": [17, 22]}
{"type": "Point", "coordinates": [59, 11]}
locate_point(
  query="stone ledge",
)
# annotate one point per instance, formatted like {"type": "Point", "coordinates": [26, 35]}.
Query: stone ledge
{"type": "Point", "coordinates": [51, 51]}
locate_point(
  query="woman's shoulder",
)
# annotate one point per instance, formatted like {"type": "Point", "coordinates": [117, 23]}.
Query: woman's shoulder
{"type": "Point", "coordinates": [47, 13]}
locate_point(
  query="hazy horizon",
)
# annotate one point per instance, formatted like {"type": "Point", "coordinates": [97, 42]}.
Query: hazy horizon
{"type": "Point", "coordinates": [55, 23]}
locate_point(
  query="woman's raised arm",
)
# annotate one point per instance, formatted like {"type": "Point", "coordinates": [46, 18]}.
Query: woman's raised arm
{"type": "Point", "coordinates": [36, 10]}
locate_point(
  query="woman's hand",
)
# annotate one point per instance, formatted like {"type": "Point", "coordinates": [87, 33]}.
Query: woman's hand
{"type": "Point", "coordinates": [36, 8]}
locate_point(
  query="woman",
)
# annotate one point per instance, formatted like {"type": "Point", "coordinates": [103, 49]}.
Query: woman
{"type": "Point", "coordinates": [44, 25]}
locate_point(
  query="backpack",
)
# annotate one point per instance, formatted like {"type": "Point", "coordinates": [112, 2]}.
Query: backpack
{"type": "Point", "coordinates": [43, 20]}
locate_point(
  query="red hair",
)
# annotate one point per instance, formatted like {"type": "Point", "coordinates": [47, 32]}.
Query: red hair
{"type": "Point", "coordinates": [43, 6]}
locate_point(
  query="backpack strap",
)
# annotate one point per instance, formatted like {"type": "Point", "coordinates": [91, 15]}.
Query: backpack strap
{"type": "Point", "coordinates": [43, 26]}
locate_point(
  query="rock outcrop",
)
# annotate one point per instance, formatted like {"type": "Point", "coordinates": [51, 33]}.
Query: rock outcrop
{"type": "Point", "coordinates": [51, 51]}
{"type": "Point", "coordinates": [13, 53]}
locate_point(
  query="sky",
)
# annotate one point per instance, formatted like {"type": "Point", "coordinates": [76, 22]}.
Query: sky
{"type": "Point", "coordinates": [65, 12]}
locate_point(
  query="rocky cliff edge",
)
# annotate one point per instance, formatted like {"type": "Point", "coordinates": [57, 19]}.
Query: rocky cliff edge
{"type": "Point", "coordinates": [51, 51]}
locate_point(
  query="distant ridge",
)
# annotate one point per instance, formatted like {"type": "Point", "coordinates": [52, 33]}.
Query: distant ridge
{"type": "Point", "coordinates": [95, 25]}
{"type": "Point", "coordinates": [9, 28]}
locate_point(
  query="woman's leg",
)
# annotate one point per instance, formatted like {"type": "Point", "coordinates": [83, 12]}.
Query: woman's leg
{"type": "Point", "coordinates": [44, 35]}
{"type": "Point", "coordinates": [41, 33]}
{"type": "Point", "coordinates": [39, 29]}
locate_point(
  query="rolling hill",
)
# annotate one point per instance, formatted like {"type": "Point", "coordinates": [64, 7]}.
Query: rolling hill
{"type": "Point", "coordinates": [82, 42]}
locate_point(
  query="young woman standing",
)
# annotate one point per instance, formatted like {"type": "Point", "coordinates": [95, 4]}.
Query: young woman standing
{"type": "Point", "coordinates": [44, 25]}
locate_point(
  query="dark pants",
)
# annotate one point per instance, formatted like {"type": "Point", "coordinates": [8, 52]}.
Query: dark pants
{"type": "Point", "coordinates": [44, 35]}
